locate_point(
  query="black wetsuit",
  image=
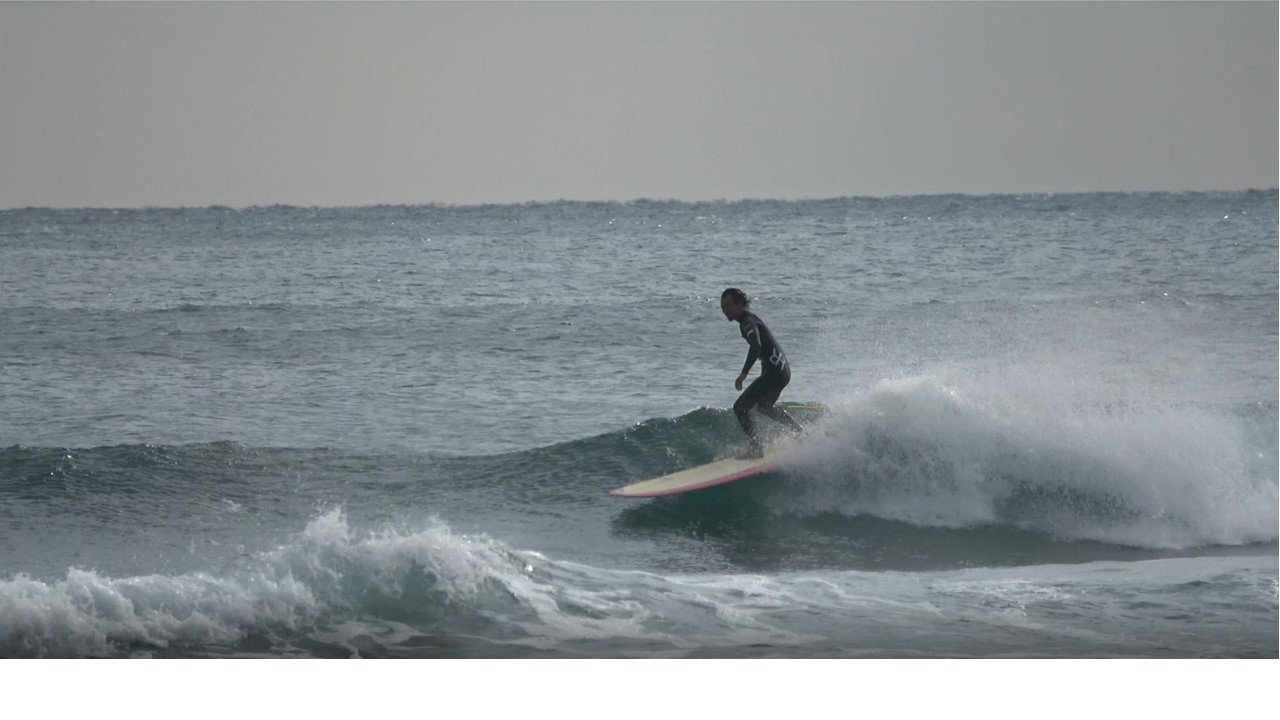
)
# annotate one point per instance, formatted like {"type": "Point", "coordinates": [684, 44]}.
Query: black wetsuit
{"type": "Point", "coordinates": [775, 373]}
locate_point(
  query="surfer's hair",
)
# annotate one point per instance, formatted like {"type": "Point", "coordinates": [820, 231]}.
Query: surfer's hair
{"type": "Point", "coordinates": [738, 296]}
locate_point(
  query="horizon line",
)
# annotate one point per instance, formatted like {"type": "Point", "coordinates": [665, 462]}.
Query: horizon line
{"type": "Point", "coordinates": [638, 201]}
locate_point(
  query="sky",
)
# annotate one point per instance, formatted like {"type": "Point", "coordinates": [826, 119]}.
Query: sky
{"type": "Point", "coordinates": [240, 104]}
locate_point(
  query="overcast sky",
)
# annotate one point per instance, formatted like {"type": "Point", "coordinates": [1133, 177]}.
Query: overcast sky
{"type": "Point", "coordinates": [141, 104]}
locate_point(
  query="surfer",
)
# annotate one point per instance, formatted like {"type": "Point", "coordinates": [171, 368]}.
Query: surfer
{"type": "Point", "coordinates": [775, 373]}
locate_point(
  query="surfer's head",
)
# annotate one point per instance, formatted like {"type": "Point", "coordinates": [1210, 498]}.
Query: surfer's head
{"type": "Point", "coordinates": [733, 302]}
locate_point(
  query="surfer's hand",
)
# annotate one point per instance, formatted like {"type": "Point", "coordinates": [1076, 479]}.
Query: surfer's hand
{"type": "Point", "coordinates": [737, 384]}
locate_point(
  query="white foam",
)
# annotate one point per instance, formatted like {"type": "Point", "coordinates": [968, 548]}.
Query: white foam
{"type": "Point", "coordinates": [86, 614]}
{"type": "Point", "coordinates": [958, 449]}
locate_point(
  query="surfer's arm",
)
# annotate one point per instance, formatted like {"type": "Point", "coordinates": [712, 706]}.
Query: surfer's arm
{"type": "Point", "coordinates": [752, 336]}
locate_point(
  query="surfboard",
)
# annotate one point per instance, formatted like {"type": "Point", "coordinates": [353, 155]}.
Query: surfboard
{"type": "Point", "coordinates": [703, 476]}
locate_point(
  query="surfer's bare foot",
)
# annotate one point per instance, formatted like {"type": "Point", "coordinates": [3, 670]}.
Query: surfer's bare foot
{"type": "Point", "coordinates": [751, 453]}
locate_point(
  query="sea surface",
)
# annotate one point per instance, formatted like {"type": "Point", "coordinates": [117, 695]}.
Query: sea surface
{"type": "Point", "coordinates": [1050, 429]}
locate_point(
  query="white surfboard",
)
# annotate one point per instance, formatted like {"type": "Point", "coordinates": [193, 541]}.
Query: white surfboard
{"type": "Point", "coordinates": [704, 476]}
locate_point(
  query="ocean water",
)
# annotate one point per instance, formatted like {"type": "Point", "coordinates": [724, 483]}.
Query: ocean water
{"type": "Point", "coordinates": [1051, 429]}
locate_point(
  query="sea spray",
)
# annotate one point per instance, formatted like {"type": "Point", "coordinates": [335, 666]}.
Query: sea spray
{"type": "Point", "coordinates": [957, 451]}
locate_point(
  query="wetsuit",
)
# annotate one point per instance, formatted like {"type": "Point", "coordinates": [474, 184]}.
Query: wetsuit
{"type": "Point", "coordinates": [775, 373]}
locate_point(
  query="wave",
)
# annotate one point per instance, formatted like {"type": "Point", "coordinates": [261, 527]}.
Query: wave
{"type": "Point", "coordinates": [322, 573]}
{"type": "Point", "coordinates": [1030, 454]}
{"type": "Point", "coordinates": [330, 592]}
{"type": "Point", "coordinates": [432, 592]}
{"type": "Point", "coordinates": [44, 473]}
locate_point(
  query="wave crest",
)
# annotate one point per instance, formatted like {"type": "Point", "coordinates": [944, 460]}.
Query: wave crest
{"type": "Point", "coordinates": [937, 452]}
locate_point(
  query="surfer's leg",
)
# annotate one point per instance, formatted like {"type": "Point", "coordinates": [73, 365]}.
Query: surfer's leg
{"type": "Point", "coordinates": [742, 408]}
{"type": "Point", "coordinates": [781, 415]}
{"type": "Point", "coordinates": [770, 410]}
